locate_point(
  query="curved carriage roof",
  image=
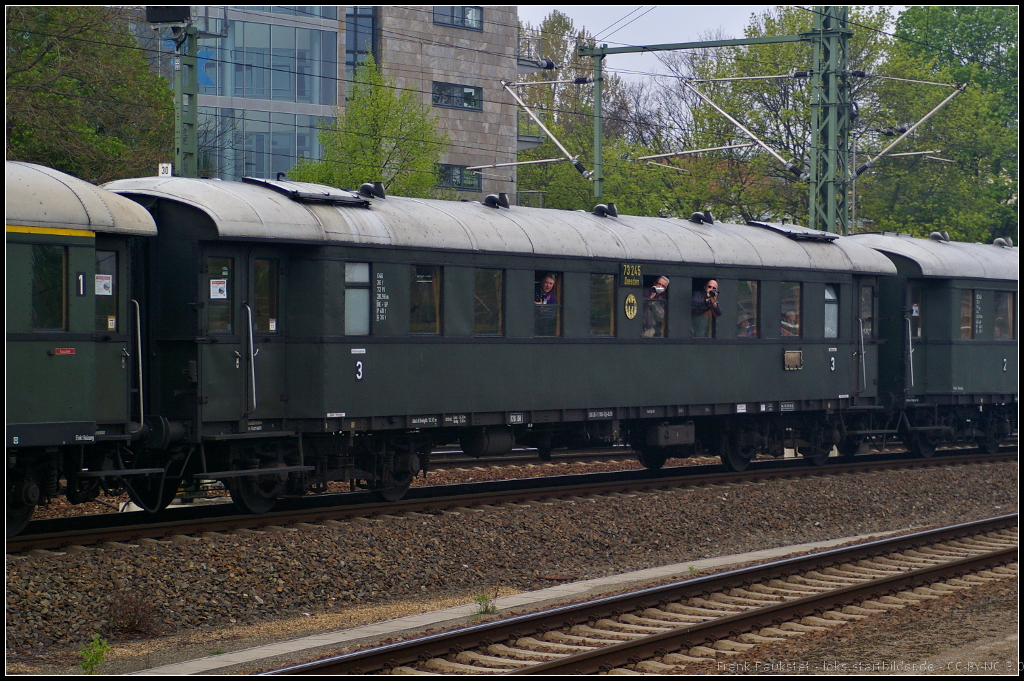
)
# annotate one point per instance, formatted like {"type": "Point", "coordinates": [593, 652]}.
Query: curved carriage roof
{"type": "Point", "coordinates": [250, 211]}
{"type": "Point", "coordinates": [949, 259]}
{"type": "Point", "coordinates": [38, 196]}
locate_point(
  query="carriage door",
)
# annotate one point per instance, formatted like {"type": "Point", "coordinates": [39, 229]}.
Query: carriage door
{"type": "Point", "coordinates": [265, 388]}
{"type": "Point", "coordinates": [866, 337]}
{"type": "Point", "coordinates": [113, 329]}
{"type": "Point", "coordinates": [223, 346]}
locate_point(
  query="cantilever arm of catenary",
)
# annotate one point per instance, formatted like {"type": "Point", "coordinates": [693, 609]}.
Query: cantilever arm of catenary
{"type": "Point", "coordinates": [790, 166]}
{"type": "Point", "coordinates": [861, 170]}
{"type": "Point", "coordinates": [572, 159]}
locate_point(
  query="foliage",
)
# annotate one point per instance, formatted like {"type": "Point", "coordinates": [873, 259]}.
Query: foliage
{"type": "Point", "coordinates": [973, 194]}
{"type": "Point", "coordinates": [384, 135]}
{"type": "Point", "coordinates": [973, 197]}
{"type": "Point", "coordinates": [93, 654]}
{"type": "Point", "coordinates": [129, 614]}
{"type": "Point", "coordinates": [80, 95]}
{"type": "Point", "coordinates": [484, 606]}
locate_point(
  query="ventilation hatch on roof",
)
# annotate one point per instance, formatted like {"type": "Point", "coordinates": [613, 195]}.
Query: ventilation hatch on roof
{"type": "Point", "coordinates": [307, 192]}
{"type": "Point", "coordinates": [795, 232]}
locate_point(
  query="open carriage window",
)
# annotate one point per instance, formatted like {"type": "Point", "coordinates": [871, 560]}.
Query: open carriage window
{"type": "Point", "coordinates": [425, 300]}
{"type": "Point", "coordinates": [547, 304]}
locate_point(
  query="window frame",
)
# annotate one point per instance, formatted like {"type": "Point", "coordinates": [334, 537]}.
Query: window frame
{"type": "Point", "coordinates": [1010, 322]}
{"type": "Point", "coordinates": [438, 93]}
{"type": "Point", "coordinates": [611, 310]}
{"type": "Point", "coordinates": [538, 309]}
{"type": "Point", "coordinates": [444, 169]}
{"type": "Point", "coordinates": [36, 296]}
{"type": "Point", "coordinates": [355, 285]}
{"type": "Point", "coordinates": [833, 305]}
{"type": "Point", "coordinates": [756, 289]}
{"type": "Point", "coordinates": [457, 22]}
{"type": "Point", "coordinates": [438, 292]}
{"type": "Point", "coordinates": [501, 303]}
{"type": "Point", "coordinates": [799, 309]}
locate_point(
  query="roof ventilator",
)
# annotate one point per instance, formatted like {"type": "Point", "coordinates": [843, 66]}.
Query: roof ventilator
{"type": "Point", "coordinates": [709, 218]}
{"type": "Point", "coordinates": [939, 236]}
{"type": "Point", "coordinates": [373, 191]}
{"type": "Point", "coordinates": [496, 200]}
{"type": "Point", "coordinates": [697, 218]}
{"type": "Point", "coordinates": [606, 210]}
{"type": "Point", "coordinates": [1005, 242]}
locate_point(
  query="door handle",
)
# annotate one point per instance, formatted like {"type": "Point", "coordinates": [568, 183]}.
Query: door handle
{"type": "Point", "coordinates": [238, 359]}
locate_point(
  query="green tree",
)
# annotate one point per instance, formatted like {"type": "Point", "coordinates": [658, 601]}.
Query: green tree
{"type": "Point", "coordinates": [385, 135]}
{"type": "Point", "coordinates": [972, 194]}
{"type": "Point", "coordinates": [80, 95]}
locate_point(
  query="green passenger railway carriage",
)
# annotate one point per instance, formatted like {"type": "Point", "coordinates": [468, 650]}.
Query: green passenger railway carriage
{"type": "Point", "coordinates": [295, 335]}
{"type": "Point", "coordinates": [72, 332]}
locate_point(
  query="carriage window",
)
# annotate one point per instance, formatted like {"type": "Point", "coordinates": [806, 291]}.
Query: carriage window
{"type": "Point", "coordinates": [105, 283]}
{"type": "Point", "coordinates": [747, 304]}
{"type": "Point", "coordinates": [49, 287]}
{"type": "Point", "coordinates": [221, 282]}
{"type": "Point", "coordinates": [1002, 325]}
{"type": "Point", "coordinates": [791, 309]}
{"type": "Point", "coordinates": [266, 280]}
{"type": "Point", "coordinates": [425, 300]}
{"type": "Point", "coordinates": [867, 310]}
{"type": "Point", "coordinates": [966, 315]}
{"type": "Point", "coordinates": [655, 307]}
{"type": "Point", "coordinates": [831, 312]}
{"type": "Point", "coordinates": [602, 304]}
{"type": "Point", "coordinates": [357, 299]}
{"type": "Point", "coordinates": [547, 308]}
{"type": "Point", "coordinates": [916, 313]}
{"type": "Point", "coordinates": [488, 297]}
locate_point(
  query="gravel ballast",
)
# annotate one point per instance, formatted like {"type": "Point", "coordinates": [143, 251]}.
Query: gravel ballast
{"type": "Point", "coordinates": [202, 587]}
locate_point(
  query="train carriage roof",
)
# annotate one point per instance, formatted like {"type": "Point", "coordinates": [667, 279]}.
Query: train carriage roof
{"type": "Point", "coordinates": [949, 259]}
{"type": "Point", "coordinates": [42, 197]}
{"type": "Point", "coordinates": [243, 210]}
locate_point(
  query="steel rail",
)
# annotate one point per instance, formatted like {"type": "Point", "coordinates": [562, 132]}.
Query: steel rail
{"type": "Point", "coordinates": [410, 652]}
{"type": "Point", "coordinates": [469, 494]}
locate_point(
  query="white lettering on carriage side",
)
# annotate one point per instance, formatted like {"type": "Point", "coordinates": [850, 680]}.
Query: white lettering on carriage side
{"type": "Point", "coordinates": [358, 351]}
{"type": "Point", "coordinates": [456, 420]}
{"type": "Point", "coordinates": [786, 406]}
{"type": "Point", "coordinates": [515, 418]}
{"type": "Point", "coordinates": [423, 421]}
{"type": "Point", "coordinates": [741, 409]}
{"type": "Point", "coordinates": [335, 414]}
{"type": "Point", "coordinates": [85, 438]}
{"type": "Point", "coordinates": [382, 299]}
{"type": "Point", "coordinates": [600, 414]}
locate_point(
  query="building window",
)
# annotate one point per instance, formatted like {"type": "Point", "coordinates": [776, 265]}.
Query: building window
{"type": "Point", "coordinates": [266, 287]}
{"type": "Point", "coordinates": [1002, 325]}
{"type": "Point", "coordinates": [452, 96]}
{"type": "Point", "coordinates": [49, 287]}
{"type": "Point", "coordinates": [602, 304]}
{"type": "Point", "coordinates": [457, 177]}
{"type": "Point", "coordinates": [831, 312]}
{"type": "Point", "coordinates": [463, 17]}
{"type": "Point", "coordinates": [360, 25]}
{"type": "Point", "coordinates": [425, 300]}
{"type": "Point", "coordinates": [747, 308]}
{"type": "Point", "coordinates": [547, 308]}
{"type": "Point", "coordinates": [489, 293]}
{"type": "Point", "coordinates": [106, 291]}
{"type": "Point", "coordinates": [357, 299]}
{"type": "Point", "coordinates": [791, 309]}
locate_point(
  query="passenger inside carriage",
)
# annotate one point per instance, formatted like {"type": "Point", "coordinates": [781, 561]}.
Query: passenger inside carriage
{"type": "Point", "coordinates": [705, 309]}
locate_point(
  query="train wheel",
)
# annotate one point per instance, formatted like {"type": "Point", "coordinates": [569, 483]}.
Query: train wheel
{"type": "Point", "coordinates": [989, 446]}
{"type": "Point", "coordinates": [258, 493]}
{"type": "Point", "coordinates": [651, 460]}
{"type": "Point", "coordinates": [404, 467]}
{"type": "Point", "coordinates": [152, 493]}
{"type": "Point", "coordinates": [732, 456]}
{"type": "Point", "coordinates": [922, 445]}
{"type": "Point", "coordinates": [848, 449]}
{"type": "Point", "coordinates": [18, 517]}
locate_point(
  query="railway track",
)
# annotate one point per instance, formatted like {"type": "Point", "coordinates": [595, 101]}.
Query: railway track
{"type": "Point", "coordinates": [689, 625]}
{"type": "Point", "coordinates": [57, 534]}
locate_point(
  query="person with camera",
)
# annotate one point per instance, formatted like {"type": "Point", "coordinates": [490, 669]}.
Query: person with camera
{"type": "Point", "coordinates": [705, 309]}
{"type": "Point", "coordinates": [656, 309]}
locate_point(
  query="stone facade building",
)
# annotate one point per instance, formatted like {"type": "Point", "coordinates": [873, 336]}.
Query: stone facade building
{"type": "Point", "coordinates": [269, 74]}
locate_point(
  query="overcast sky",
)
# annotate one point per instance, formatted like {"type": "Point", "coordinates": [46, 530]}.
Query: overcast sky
{"type": "Point", "coordinates": [662, 24]}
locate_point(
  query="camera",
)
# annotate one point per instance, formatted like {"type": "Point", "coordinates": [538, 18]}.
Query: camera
{"type": "Point", "coordinates": [713, 292]}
